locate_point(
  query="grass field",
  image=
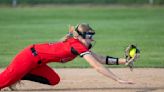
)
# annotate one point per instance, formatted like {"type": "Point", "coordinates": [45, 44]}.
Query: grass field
{"type": "Point", "coordinates": [116, 27]}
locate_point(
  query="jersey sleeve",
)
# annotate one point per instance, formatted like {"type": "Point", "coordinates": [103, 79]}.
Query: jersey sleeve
{"type": "Point", "coordinates": [81, 49]}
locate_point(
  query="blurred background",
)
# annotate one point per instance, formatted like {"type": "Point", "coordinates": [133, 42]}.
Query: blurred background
{"type": "Point", "coordinates": [125, 2]}
{"type": "Point", "coordinates": [118, 23]}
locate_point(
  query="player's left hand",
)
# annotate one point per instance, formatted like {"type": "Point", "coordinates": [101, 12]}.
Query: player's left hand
{"type": "Point", "coordinates": [132, 53]}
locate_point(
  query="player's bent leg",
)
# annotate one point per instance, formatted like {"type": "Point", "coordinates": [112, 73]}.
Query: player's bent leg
{"type": "Point", "coordinates": [36, 78]}
{"type": "Point", "coordinates": [43, 74]}
{"type": "Point", "coordinates": [20, 66]}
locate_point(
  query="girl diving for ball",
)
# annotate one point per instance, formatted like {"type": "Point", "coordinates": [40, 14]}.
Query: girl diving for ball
{"type": "Point", "coordinates": [31, 63]}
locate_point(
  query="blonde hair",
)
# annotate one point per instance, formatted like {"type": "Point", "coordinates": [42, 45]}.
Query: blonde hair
{"type": "Point", "coordinates": [73, 31]}
{"type": "Point", "coordinates": [71, 34]}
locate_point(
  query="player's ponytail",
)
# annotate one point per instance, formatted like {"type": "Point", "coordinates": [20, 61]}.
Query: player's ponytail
{"type": "Point", "coordinates": [70, 34]}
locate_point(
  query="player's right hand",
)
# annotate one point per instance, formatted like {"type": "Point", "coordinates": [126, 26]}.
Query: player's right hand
{"type": "Point", "coordinates": [125, 81]}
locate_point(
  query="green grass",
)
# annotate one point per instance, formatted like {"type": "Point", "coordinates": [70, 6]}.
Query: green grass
{"type": "Point", "coordinates": [116, 27]}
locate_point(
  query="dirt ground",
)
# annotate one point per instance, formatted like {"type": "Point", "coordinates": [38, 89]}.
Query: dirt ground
{"type": "Point", "coordinates": [88, 80]}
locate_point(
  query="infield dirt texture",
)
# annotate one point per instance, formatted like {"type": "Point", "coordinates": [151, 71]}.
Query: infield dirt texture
{"type": "Point", "coordinates": [88, 80]}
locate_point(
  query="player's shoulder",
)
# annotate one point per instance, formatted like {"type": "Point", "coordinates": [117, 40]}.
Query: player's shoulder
{"type": "Point", "coordinates": [75, 42]}
{"type": "Point", "coordinates": [77, 45]}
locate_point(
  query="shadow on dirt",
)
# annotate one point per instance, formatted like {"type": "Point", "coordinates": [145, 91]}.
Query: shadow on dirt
{"type": "Point", "coordinates": [138, 89]}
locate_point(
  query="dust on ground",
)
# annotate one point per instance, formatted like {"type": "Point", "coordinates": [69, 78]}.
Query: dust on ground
{"type": "Point", "coordinates": [88, 80]}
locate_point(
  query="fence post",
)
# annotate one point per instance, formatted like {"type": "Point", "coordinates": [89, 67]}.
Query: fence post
{"type": "Point", "coordinates": [151, 2]}
{"type": "Point", "coordinates": [14, 3]}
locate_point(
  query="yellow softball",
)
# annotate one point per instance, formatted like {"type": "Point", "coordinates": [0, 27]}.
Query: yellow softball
{"type": "Point", "coordinates": [132, 52]}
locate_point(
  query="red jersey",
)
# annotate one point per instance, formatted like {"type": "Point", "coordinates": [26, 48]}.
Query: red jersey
{"type": "Point", "coordinates": [60, 51]}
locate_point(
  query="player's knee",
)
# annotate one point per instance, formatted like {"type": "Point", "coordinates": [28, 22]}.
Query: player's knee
{"type": "Point", "coordinates": [55, 81]}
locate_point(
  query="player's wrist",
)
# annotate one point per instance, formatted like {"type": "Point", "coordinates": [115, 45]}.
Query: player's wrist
{"type": "Point", "coordinates": [111, 60]}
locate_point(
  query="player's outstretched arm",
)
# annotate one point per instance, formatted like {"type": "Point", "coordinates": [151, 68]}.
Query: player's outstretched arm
{"type": "Point", "coordinates": [101, 69]}
{"type": "Point", "coordinates": [111, 60]}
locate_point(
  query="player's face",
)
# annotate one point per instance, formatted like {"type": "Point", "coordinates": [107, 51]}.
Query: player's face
{"type": "Point", "coordinates": [89, 35]}
{"type": "Point", "coordinates": [89, 39]}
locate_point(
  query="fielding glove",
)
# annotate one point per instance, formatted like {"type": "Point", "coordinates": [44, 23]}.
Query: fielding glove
{"type": "Point", "coordinates": [132, 53]}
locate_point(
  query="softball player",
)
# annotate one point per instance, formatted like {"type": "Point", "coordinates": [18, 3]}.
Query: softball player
{"type": "Point", "coordinates": [31, 63]}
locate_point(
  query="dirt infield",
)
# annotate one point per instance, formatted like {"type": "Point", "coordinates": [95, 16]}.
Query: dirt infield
{"type": "Point", "coordinates": [88, 80]}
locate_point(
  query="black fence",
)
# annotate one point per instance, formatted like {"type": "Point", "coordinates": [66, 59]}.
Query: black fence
{"type": "Point", "coordinates": [126, 2]}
